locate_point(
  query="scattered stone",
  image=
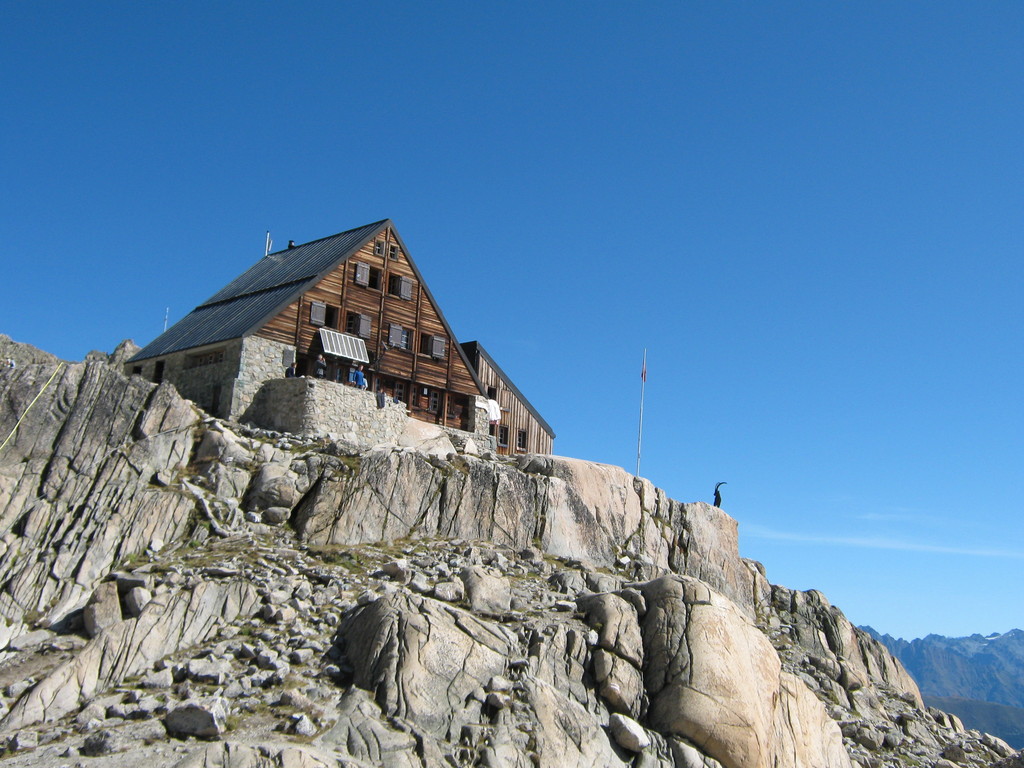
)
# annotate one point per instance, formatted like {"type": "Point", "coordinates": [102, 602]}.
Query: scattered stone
{"type": "Point", "coordinates": [450, 591]}
{"type": "Point", "coordinates": [499, 683]}
{"type": "Point", "coordinates": [30, 640]}
{"type": "Point", "coordinates": [498, 700]}
{"type": "Point", "coordinates": [303, 726]}
{"type": "Point", "coordinates": [275, 515]}
{"type": "Point", "coordinates": [296, 699]}
{"type": "Point", "coordinates": [420, 584]}
{"type": "Point", "coordinates": [161, 678]}
{"type": "Point", "coordinates": [209, 672]}
{"type": "Point", "coordinates": [628, 733]}
{"type": "Point", "coordinates": [301, 656]}
{"type": "Point", "coordinates": [23, 740]}
{"type": "Point", "coordinates": [103, 608]}
{"type": "Point", "coordinates": [136, 599]}
{"type": "Point", "coordinates": [100, 742]}
{"type": "Point", "coordinates": [398, 570]}
{"type": "Point", "coordinates": [486, 592]}
{"type": "Point", "coordinates": [204, 719]}
{"type": "Point", "coordinates": [279, 614]}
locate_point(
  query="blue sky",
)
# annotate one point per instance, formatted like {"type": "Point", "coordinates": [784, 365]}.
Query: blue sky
{"type": "Point", "coordinates": [810, 214]}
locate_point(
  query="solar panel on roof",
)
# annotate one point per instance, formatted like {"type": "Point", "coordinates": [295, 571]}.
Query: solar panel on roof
{"type": "Point", "coordinates": [343, 345]}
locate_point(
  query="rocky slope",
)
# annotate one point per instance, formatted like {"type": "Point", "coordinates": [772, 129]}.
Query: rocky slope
{"type": "Point", "coordinates": [998, 719]}
{"type": "Point", "coordinates": [970, 676]}
{"type": "Point", "coordinates": [182, 592]}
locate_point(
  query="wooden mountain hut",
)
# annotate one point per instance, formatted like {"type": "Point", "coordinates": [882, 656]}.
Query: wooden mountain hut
{"type": "Point", "coordinates": [356, 298]}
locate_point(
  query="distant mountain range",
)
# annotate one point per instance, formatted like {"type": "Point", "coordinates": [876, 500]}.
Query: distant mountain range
{"type": "Point", "coordinates": [978, 678]}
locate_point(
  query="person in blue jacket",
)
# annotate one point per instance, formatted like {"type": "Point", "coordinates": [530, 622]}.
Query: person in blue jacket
{"type": "Point", "coordinates": [358, 377]}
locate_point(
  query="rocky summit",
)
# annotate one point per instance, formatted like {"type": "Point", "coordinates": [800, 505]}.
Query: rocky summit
{"type": "Point", "coordinates": [181, 591]}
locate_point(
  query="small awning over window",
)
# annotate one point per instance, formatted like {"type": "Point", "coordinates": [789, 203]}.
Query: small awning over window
{"type": "Point", "coordinates": [343, 345]}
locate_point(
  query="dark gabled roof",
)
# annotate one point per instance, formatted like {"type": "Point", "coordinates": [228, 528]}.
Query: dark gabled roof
{"type": "Point", "coordinates": [248, 302]}
{"type": "Point", "coordinates": [475, 350]}
{"type": "Point", "coordinates": [259, 293]}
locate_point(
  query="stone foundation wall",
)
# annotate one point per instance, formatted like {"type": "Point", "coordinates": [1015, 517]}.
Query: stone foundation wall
{"type": "Point", "coordinates": [260, 361]}
{"type": "Point", "coordinates": [209, 386]}
{"type": "Point", "coordinates": [248, 385]}
{"type": "Point", "coordinates": [315, 407]}
{"type": "Point", "coordinates": [479, 427]}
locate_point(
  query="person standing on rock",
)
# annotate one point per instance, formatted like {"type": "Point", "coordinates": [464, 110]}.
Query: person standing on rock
{"type": "Point", "coordinates": [320, 367]}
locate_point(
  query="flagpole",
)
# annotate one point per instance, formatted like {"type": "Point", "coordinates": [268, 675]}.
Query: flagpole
{"type": "Point", "coordinates": [640, 431]}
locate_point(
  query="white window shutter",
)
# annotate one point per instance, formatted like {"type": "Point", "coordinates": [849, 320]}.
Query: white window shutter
{"type": "Point", "coordinates": [437, 346]}
{"type": "Point", "coordinates": [362, 273]}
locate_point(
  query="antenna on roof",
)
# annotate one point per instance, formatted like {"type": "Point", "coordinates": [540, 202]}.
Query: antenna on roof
{"type": "Point", "coordinates": [269, 243]}
{"type": "Point", "coordinates": [167, 313]}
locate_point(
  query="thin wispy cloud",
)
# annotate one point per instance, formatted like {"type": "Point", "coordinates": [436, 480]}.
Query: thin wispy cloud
{"type": "Point", "coordinates": [891, 517]}
{"type": "Point", "coordinates": [868, 542]}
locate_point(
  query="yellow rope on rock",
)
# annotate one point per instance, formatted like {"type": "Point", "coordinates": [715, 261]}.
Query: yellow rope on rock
{"type": "Point", "coordinates": [23, 415]}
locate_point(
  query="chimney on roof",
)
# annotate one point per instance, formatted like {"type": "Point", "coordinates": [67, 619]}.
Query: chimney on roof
{"type": "Point", "coordinates": [291, 243]}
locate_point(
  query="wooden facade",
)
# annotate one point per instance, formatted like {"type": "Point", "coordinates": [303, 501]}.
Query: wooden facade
{"type": "Point", "coordinates": [521, 428]}
{"type": "Point", "coordinates": [378, 295]}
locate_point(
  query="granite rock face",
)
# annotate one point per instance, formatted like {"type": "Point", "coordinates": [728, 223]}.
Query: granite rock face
{"type": "Point", "coordinates": [76, 490]}
{"type": "Point", "coordinates": [170, 579]}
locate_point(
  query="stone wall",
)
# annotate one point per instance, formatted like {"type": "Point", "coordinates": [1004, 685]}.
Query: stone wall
{"type": "Point", "coordinates": [479, 428]}
{"type": "Point", "coordinates": [248, 385]}
{"type": "Point", "coordinates": [209, 386]}
{"type": "Point", "coordinates": [316, 407]}
{"type": "Point", "coordinates": [307, 406]}
{"type": "Point", "coordinates": [225, 388]}
{"type": "Point", "coordinates": [261, 360]}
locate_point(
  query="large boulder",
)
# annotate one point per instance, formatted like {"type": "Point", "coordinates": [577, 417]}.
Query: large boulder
{"type": "Point", "coordinates": [103, 609]}
{"type": "Point", "coordinates": [428, 439]}
{"type": "Point", "coordinates": [423, 659]}
{"type": "Point", "coordinates": [714, 679]}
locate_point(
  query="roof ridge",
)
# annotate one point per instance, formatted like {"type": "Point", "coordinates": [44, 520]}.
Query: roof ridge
{"type": "Point", "coordinates": [372, 225]}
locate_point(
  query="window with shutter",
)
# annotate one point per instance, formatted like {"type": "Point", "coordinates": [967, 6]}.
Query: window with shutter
{"type": "Point", "coordinates": [378, 247]}
{"type": "Point", "coordinates": [400, 286]}
{"type": "Point", "coordinates": [437, 346]}
{"type": "Point", "coordinates": [317, 313]}
{"type": "Point", "coordinates": [394, 335]}
{"type": "Point", "coordinates": [358, 325]}
{"type": "Point", "coordinates": [362, 273]}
